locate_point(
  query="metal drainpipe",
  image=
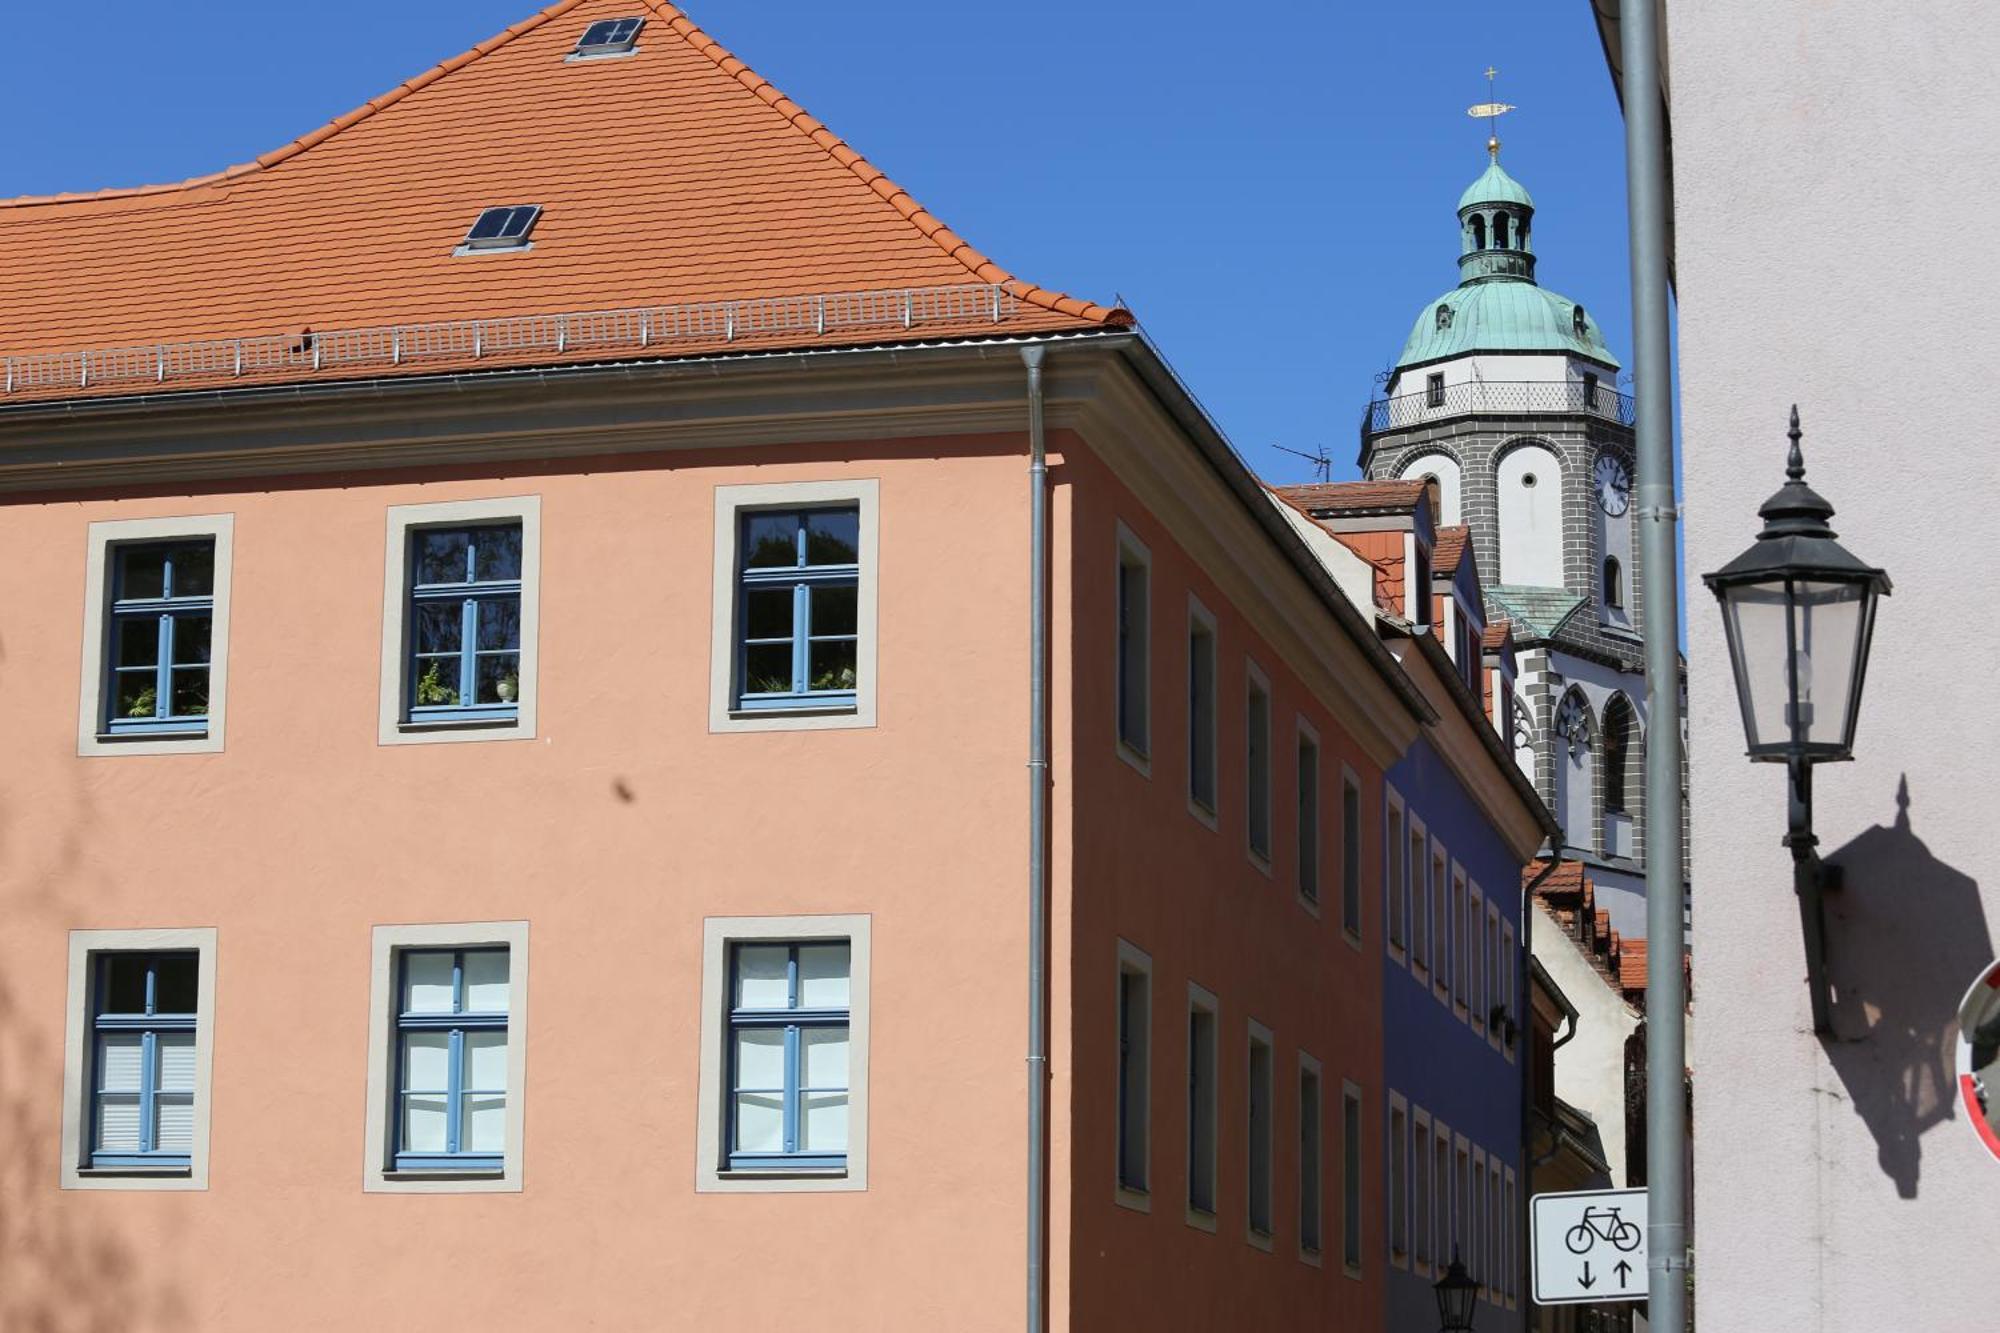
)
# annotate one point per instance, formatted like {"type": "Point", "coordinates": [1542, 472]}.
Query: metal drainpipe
{"type": "Point", "coordinates": [1038, 858]}
{"type": "Point", "coordinates": [1524, 1035]}
{"type": "Point", "coordinates": [1666, 996]}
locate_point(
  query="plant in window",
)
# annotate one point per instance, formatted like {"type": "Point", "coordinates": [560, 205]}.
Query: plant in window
{"type": "Point", "coordinates": [841, 679]}
{"type": "Point", "coordinates": [431, 688]}
{"type": "Point", "coordinates": [142, 703]}
{"type": "Point", "coordinates": [508, 687]}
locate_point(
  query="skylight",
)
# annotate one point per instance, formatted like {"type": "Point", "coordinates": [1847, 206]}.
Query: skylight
{"type": "Point", "coordinates": [504, 228]}
{"type": "Point", "coordinates": [608, 37]}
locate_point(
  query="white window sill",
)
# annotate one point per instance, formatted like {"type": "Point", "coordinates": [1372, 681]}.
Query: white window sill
{"type": "Point", "coordinates": [802, 710]}
{"type": "Point", "coordinates": [469, 724]}
{"type": "Point", "coordinates": [1311, 1256]}
{"type": "Point", "coordinates": [129, 737]}
{"type": "Point", "coordinates": [1136, 757]}
{"type": "Point", "coordinates": [787, 1173]}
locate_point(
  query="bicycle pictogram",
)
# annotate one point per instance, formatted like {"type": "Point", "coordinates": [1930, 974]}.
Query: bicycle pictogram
{"type": "Point", "coordinates": [1603, 1224]}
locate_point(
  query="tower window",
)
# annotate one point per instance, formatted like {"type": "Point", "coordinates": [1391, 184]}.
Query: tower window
{"type": "Point", "coordinates": [1499, 231]}
{"type": "Point", "coordinates": [1443, 318]}
{"type": "Point", "coordinates": [1577, 323]}
{"type": "Point", "coordinates": [1434, 390]}
{"type": "Point", "coordinates": [1614, 582]}
{"type": "Point", "coordinates": [1479, 231]}
{"type": "Point", "coordinates": [1589, 389]}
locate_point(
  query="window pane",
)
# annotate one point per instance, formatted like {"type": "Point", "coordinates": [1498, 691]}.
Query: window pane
{"type": "Point", "coordinates": [767, 613]}
{"type": "Point", "coordinates": [485, 1125]}
{"type": "Point", "coordinates": [762, 976]}
{"type": "Point", "coordinates": [194, 570]}
{"type": "Point", "coordinates": [499, 678]}
{"type": "Point", "coordinates": [833, 537]}
{"type": "Point", "coordinates": [120, 1062]}
{"type": "Point", "coordinates": [834, 609]}
{"type": "Point", "coordinates": [496, 552]}
{"type": "Point", "coordinates": [824, 1057]}
{"type": "Point", "coordinates": [124, 982]}
{"type": "Point", "coordinates": [770, 541]}
{"type": "Point", "coordinates": [440, 557]}
{"type": "Point", "coordinates": [138, 694]}
{"type": "Point", "coordinates": [426, 1061]}
{"type": "Point", "coordinates": [760, 1122]}
{"type": "Point", "coordinates": [427, 983]}
{"type": "Point", "coordinates": [823, 976]}
{"type": "Point", "coordinates": [190, 692]}
{"type": "Point", "coordinates": [767, 669]}
{"type": "Point", "coordinates": [191, 635]}
{"type": "Point", "coordinates": [760, 1058]}
{"type": "Point", "coordinates": [832, 665]}
{"type": "Point", "coordinates": [174, 983]}
{"type": "Point", "coordinates": [118, 1123]}
{"type": "Point", "coordinates": [486, 981]}
{"type": "Point", "coordinates": [823, 1122]}
{"type": "Point", "coordinates": [173, 1122]}
{"type": "Point", "coordinates": [437, 682]}
{"type": "Point", "coordinates": [499, 623]}
{"type": "Point", "coordinates": [142, 572]}
{"type": "Point", "coordinates": [423, 1124]}
{"type": "Point", "coordinates": [138, 641]}
{"type": "Point", "coordinates": [439, 627]}
{"type": "Point", "coordinates": [486, 1061]}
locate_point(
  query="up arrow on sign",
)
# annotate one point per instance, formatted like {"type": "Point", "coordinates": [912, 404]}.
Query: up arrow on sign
{"type": "Point", "coordinates": [1570, 1231]}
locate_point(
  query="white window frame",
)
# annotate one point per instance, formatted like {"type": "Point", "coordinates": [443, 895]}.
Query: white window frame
{"type": "Point", "coordinates": [90, 738]}
{"type": "Point", "coordinates": [1395, 851]}
{"type": "Point", "coordinates": [1305, 733]}
{"type": "Point", "coordinates": [1200, 616]}
{"type": "Point", "coordinates": [1255, 684]}
{"type": "Point", "coordinates": [720, 934]}
{"type": "Point", "coordinates": [1422, 1238]}
{"type": "Point", "coordinates": [1399, 1109]}
{"type": "Point", "coordinates": [85, 947]}
{"type": "Point", "coordinates": [1132, 961]}
{"type": "Point", "coordinates": [1259, 1035]}
{"type": "Point", "coordinates": [1315, 1257]}
{"type": "Point", "coordinates": [1417, 865]}
{"type": "Point", "coordinates": [391, 728]}
{"type": "Point", "coordinates": [378, 1173]}
{"type": "Point", "coordinates": [1202, 1000]}
{"type": "Point", "coordinates": [1129, 548]}
{"type": "Point", "coordinates": [731, 503]}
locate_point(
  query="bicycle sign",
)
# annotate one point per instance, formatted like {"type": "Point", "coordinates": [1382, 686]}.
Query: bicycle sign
{"type": "Point", "coordinates": [1589, 1246]}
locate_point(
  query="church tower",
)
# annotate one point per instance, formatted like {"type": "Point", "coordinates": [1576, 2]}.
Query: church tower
{"type": "Point", "coordinates": [1507, 395]}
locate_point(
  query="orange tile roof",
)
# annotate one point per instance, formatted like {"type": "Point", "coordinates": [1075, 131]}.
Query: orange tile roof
{"type": "Point", "coordinates": [1353, 497]}
{"type": "Point", "coordinates": [674, 176]}
{"type": "Point", "coordinates": [1450, 548]}
{"type": "Point", "coordinates": [1631, 956]}
{"type": "Point", "coordinates": [1497, 635]}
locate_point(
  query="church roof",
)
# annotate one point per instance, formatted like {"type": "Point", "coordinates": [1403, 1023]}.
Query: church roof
{"type": "Point", "coordinates": [1502, 316]}
{"type": "Point", "coordinates": [674, 182]}
{"type": "Point", "coordinates": [1537, 613]}
{"type": "Point", "coordinates": [1495, 186]}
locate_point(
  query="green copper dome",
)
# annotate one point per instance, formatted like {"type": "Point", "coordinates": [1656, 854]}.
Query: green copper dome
{"type": "Point", "coordinates": [1497, 305]}
{"type": "Point", "coordinates": [1495, 186]}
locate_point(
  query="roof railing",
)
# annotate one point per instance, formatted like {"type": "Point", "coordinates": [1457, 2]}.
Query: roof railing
{"type": "Point", "coordinates": [1501, 397]}
{"type": "Point", "coordinates": [635, 328]}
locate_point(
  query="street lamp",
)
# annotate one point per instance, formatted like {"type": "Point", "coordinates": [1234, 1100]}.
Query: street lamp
{"type": "Point", "coordinates": [1457, 1295]}
{"type": "Point", "coordinates": [1799, 610]}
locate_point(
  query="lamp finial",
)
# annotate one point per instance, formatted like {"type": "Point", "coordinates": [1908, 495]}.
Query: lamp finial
{"type": "Point", "coordinates": [1795, 465]}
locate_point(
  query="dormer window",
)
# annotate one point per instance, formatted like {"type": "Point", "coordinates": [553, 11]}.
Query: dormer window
{"type": "Point", "coordinates": [503, 228]}
{"type": "Point", "coordinates": [1443, 317]}
{"type": "Point", "coordinates": [608, 37]}
{"type": "Point", "coordinates": [1577, 323]}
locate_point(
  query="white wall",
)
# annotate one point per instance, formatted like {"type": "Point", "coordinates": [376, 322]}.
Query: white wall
{"type": "Point", "coordinates": [1445, 469]}
{"type": "Point", "coordinates": [1590, 1069]}
{"type": "Point", "coordinates": [1835, 171]}
{"type": "Point", "coordinates": [1530, 481]}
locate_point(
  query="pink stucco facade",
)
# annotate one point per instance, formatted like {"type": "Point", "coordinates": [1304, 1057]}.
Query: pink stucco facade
{"type": "Point", "coordinates": [626, 822]}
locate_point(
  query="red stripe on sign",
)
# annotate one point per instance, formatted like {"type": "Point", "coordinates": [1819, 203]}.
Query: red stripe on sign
{"type": "Point", "coordinates": [1993, 977]}
{"type": "Point", "coordinates": [1971, 1095]}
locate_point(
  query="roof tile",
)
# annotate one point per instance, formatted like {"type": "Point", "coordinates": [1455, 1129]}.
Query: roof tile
{"type": "Point", "coordinates": [1354, 497]}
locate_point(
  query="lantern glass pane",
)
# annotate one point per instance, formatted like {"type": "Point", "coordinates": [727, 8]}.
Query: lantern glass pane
{"type": "Point", "coordinates": [1827, 628]}
{"type": "Point", "coordinates": [1754, 616]}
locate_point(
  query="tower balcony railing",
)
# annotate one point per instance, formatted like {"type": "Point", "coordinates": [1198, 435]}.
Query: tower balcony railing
{"type": "Point", "coordinates": [1498, 397]}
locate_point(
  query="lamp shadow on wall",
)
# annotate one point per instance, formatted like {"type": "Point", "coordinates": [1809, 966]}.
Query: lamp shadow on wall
{"type": "Point", "coordinates": [1906, 934]}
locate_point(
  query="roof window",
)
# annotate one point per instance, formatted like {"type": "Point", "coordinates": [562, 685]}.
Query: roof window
{"type": "Point", "coordinates": [504, 228]}
{"type": "Point", "coordinates": [608, 37]}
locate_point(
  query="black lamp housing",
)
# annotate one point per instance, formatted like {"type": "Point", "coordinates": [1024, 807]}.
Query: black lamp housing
{"type": "Point", "coordinates": [1457, 1298]}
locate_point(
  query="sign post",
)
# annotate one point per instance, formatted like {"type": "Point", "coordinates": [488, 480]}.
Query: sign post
{"type": "Point", "coordinates": [1589, 1246]}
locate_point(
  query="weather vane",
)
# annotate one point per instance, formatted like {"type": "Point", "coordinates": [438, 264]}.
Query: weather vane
{"type": "Point", "coordinates": [1492, 110]}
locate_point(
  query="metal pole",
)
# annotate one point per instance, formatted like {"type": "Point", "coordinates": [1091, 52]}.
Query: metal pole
{"type": "Point", "coordinates": [1666, 998]}
{"type": "Point", "coordinates": [1038, 857]}
{"type": "Point", "coordinates": [1523, 1000]}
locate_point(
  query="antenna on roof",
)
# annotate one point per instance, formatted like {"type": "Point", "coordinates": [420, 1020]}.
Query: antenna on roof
{"type": "Point", "coordinates": [1322, 465]}
{"type": "Point", "coordinates": [1491, 110]}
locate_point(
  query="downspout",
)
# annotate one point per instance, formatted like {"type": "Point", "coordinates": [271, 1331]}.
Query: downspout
{"type": "Point", "coordinates": [1666, 993]}
{"type": "Point", "coordinates": [1524, 1035]}
{"type": "Point", "coordinates": [1038, 855]}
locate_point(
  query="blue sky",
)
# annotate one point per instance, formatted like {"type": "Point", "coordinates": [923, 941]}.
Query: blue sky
{"type": "Point", "coordinates": [1270, 188]}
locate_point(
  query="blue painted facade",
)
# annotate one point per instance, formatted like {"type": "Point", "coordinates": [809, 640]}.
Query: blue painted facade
{"type": "Point", "coordinates": [1445, 1063]}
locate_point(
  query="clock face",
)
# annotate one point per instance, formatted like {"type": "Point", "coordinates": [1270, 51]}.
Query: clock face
{"type": "Point", "coordinates": [1614, 484]}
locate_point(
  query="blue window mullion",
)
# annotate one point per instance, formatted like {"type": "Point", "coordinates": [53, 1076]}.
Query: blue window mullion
{"type": "Point", "coordinates": [454, 1088]}
{"type": "Point", "coordinates": [468, 659]}
{"type": "Point", "coordinates": [791, 1087]}
{"type": "Point", "coordinates": [801, 662]}
{"type": "Point", "coordinates": [149, 1080]}
{"type": "Point", "coordinates": [163, 670]}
